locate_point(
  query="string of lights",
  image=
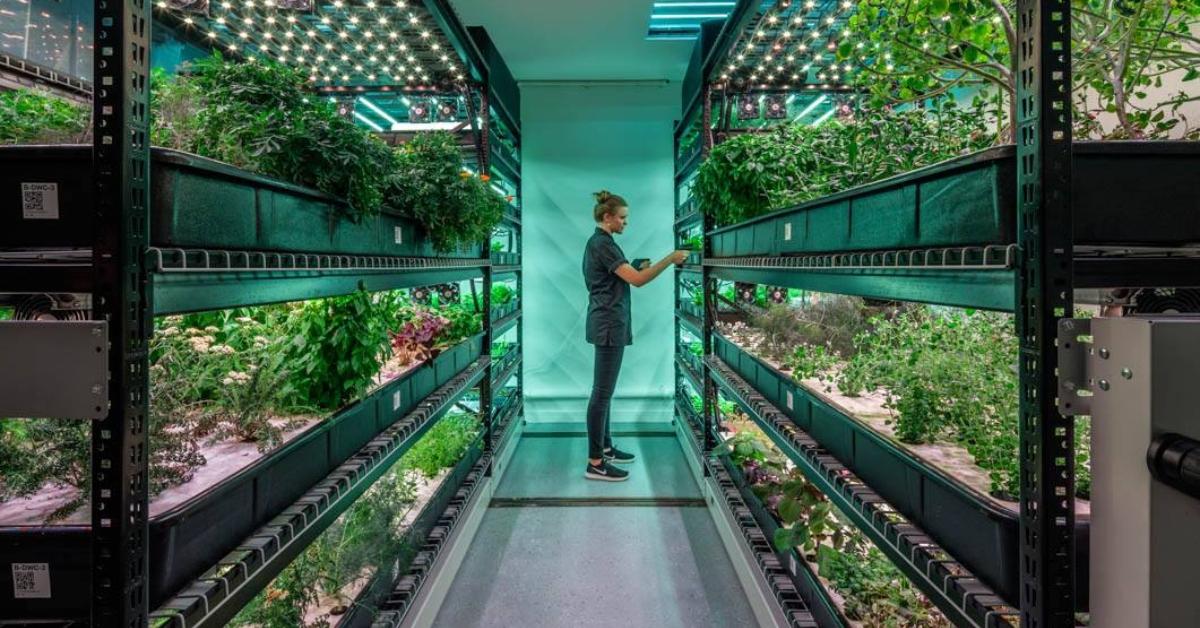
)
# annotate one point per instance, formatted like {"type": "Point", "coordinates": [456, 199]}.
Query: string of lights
{"type": "Point", "coordinates": [340, 42]}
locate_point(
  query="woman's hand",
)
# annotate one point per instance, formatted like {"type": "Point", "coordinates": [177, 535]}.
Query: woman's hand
{"type": "Point", "coordinates": [679, 257]}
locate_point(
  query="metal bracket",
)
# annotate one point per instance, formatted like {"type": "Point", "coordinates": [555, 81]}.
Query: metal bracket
{"type": "Point", "coordinates": [1074, 382]}
{"type": "Point", "coordinates": [54, 369]}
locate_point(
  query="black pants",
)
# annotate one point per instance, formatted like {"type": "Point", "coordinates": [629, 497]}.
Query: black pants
{"type": "Point", "coordinates": [604, 381]}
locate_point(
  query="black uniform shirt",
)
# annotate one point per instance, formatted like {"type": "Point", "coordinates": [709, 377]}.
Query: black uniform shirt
{"type": "Point", "coordinates": [608, 295]}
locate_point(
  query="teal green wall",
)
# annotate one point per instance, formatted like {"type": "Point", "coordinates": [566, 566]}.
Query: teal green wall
{"type": "Point", "coordinates": [578, 139]}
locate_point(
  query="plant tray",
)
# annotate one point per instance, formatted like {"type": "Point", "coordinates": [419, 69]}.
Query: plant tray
{"type": "Point", "coordinates": [189, 538]}
{"type": "Point", "coordinates": [815, 595]}
{"type": "Point", "coordinates": [195, 203]}
{"type": "Point", "coordinates": [362, 611]}
{"type": "Point", "coordinates": [980, 532]}
{"type": "Point", "coordinates": [971, 201]}
{"type": "Point", "coordinates": [501, 258]}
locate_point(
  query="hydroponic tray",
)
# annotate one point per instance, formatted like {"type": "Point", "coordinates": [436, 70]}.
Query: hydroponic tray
{"type": "Point", "coordinates": [977, 530]}
{"type": "Point", "coordinates": [824, 610]}
{"type": "Point", "coordinates": [1128, 193]}
{"type": "Point", "coordinates": [196, 203]}
{"type": "Point", "coordinates": [963, 597]}
{"type": "Point", "coordinates": [785, 589]}
{"type": "Point", "coordinates": [192, 536]}
{"type": "Point", "coordinates": [362, 612]}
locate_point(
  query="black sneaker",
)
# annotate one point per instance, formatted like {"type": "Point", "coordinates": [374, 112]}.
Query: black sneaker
{"type": "Point", "coordinates": [605, 472]}
{"type": "Point", "coordinates": [613, 454]}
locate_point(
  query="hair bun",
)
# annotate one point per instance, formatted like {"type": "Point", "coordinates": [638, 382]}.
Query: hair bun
{"type": "Point", "coordinates": [602, 196]}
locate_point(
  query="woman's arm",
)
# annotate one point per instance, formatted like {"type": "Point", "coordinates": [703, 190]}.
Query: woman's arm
{"type": "Point", "coordinates": [639, 278]}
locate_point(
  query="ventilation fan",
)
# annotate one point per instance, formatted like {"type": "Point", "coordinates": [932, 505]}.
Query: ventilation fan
{"type": "Point", "coordinates": [449, 293]}
{"type": "Point", "coordinates": [421, 295]}
{"type": "Point", "coordinates": [745, 291]}
{"type": "Point", "coordinates": [53, 307]}
{"type": "Point", "coordinates": [447, 110]}
{"type": "Point", "coordinates": [419, 111]}
{"type": "Point", "coordinates": [345, 108]}
{"type": "Point", "coordinates": [776, 107]}
{"type": "Point", "coordinates": [748, 107]}
{"type": "Point", "coordinates": [1165, 301]}
{"type": "Point", "coordinates": [777, 295]}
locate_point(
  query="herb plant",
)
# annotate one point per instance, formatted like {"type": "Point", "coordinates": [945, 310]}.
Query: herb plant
{"type": "Point", "coordinates": [31, 116]}
{"type": "Point", "coordinates": [432, 187]}
{"type": "Point", "coordinates": [755, 173]}
{"type": "Point", "coordinates": [337, 347]}
{"type": "Point", "coordinates": [261, 117]}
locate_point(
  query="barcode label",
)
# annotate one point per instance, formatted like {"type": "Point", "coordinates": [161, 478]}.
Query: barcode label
{"type": "Point", "coordinates": [399, 235]}
{"type": "Point", "coordinates": [39, 201]}
{"type": "Point", "coordinates": [31, 580]}
{"type": "Point", "coordinates": [395, 401]}
{"type": "Point", "coordinates": [789, 400]}
{"type": "Point", "coordinates": [787, 231]}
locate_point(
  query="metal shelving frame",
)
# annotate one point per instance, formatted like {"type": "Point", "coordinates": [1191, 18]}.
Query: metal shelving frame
{"type": "Point", "coordinates": [124, 275]}
{"type": "Point", "coordinates": [1033, 278]}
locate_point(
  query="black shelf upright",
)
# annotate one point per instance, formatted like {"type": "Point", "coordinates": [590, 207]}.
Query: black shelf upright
{"type": "Point", "coordinates": [122, 298]}
{"type": "Point", "coordinates": [1044, 296]}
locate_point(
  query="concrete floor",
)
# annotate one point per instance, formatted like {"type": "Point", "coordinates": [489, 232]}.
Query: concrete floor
{"type": "Point", "coordinates": [597, 565]}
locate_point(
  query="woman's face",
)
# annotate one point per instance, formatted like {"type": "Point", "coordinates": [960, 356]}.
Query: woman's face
{"type": "Point", "coordinates": [616, 221]}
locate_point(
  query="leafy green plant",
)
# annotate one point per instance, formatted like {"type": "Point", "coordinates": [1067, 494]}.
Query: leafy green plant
{"type": "Point", "coordinates": [929, 48]}
{"type": "Point", "coordinates": [261, 117]}
{"type": "Point", "coordinates": [444, 444]}
{"type": "Point", "coordinates": [463, 323]}
{"type": "Point", "coordinates": [432, 187]}
{"type": "Point", "coordinates": [875, 591]}
{"type": "Point", "coordinates": [502, 294]}
{"type": "Point", "coordinates": [34, 116]}
{"type": "Point", "coordinates": [337, 346]}
{"type": "Point", "coordinates": [755, 173]}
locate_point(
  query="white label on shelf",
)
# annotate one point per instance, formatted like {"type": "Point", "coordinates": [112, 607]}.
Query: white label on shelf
{"type": "Point", "coordinates": [39, 201]}
{"type": "Point", "coordinates": [399, 235]}
{"type": "Point", "coordinates": [792, 565]}
{"type": "Point", "coordinates": [789, 400]}
{"type": "Point", "coordinates": [31, 580]}
{"type": "Point", "coordinates": [787, 231]}
{"type": "Point", "coordinates": [395, 401]}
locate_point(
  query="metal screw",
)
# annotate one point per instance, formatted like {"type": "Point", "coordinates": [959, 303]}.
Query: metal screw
{"type": "Point", "coordinates": [1104, 384]}
{"type": "Point", "coordinates": [1104, 353]}
{"type": "Point", "coordinates": [1127, 373]}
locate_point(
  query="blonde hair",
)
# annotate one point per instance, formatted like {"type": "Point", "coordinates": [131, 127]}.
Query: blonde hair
{"type": "Point", "coordinates": [606, 203]}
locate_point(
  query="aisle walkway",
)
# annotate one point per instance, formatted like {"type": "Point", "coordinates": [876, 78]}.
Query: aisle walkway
{"type": "Point", "coordinates": [556, 550]}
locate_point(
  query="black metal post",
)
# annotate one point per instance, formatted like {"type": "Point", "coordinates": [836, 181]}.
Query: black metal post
{"type": "Point", "coordinates": [1044, 295]}
{"type": "Point", "coordinates": [120, 452]}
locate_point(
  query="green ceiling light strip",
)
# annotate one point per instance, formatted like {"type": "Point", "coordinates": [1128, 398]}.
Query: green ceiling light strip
{"type": "Point", "coordinates": [681, 20]}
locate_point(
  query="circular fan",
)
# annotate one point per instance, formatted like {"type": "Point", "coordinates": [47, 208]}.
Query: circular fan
{"type": "Point", "coordinates": [1166, 301]}
{"type": "Point", "coordinates": [43, 307]}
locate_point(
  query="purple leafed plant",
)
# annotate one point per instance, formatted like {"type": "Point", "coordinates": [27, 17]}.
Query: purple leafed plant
{"type": "Point", "coordinates": [415, 338]}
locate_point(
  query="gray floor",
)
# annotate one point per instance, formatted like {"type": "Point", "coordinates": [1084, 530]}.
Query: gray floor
{"type": "Point", "coordinates": [596, 565]}
{"type": "Point", "coordinates": [552, 466]}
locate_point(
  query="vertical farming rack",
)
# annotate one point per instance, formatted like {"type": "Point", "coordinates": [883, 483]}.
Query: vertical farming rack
{"type": "Point", "coordinates": [1014, 228]}
{"type": "Point", "coordinates": [147, 232]}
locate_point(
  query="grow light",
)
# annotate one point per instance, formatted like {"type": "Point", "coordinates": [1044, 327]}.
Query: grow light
{"type": "Point", "coordinates": [828, 114]}
{"type": "Point", "coordinates": [812, 105]}
{"type": "Point", "coordinates": [347, 42]}
{"type": "Point", "coordinates": [670, 20]}
{"type": "Point", "coordinates": [793, 44]}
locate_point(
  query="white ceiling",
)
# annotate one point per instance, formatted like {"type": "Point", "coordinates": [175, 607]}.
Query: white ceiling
{"type": "Point", "coordinates": [577, 39]}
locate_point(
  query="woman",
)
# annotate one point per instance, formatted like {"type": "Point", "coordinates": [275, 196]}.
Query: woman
{"type": "Point", "coordinates": [608, 276]}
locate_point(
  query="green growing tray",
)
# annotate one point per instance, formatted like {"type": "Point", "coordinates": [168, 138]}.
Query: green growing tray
{"type": "Point", "coordinates": [971, 201]}
{"type": "Point", "coordinates": [198, 203]}
{"type": "Point", "coordinates": [977, 531]}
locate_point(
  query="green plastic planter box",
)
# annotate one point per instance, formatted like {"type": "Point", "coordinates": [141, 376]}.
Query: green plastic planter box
{"type": "Point", "coordinates": [978, 531]}
{"type": "Point", "coordinates": [971, 201]}
{"type": "Point", "coordinates": [196, 203]}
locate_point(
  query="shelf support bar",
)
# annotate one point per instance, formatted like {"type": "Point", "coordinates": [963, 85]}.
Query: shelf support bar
{"type": "Point", "coordinates": [120, 452]}
{"type": "Point", "coordinates": [1044, 296]}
